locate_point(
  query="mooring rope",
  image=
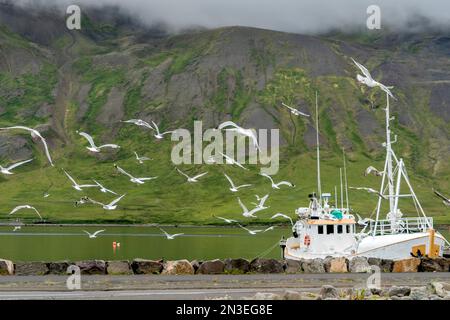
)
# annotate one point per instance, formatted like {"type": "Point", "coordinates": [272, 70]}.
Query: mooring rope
{"type": "Point", "coordinates": [267, 251]}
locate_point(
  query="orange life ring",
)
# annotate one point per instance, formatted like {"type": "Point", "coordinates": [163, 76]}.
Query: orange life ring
{"type": "Point", "coordinates": [307, 240]}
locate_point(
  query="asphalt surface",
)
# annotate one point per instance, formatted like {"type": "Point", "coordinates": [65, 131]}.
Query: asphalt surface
{"type": "Point", "coordinates": [192, 287]}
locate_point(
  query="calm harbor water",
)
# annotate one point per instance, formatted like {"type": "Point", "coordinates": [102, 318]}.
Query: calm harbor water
{"type": "Point", "coordinates": [50, 243]}
{"type": "Point", "coordinates": [47, 243]}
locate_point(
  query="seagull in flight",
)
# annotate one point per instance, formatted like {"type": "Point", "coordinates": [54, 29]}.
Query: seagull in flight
{"type": "Point", "coordinates": [245, 132]}
{"type": "Point", "coordinates": [277, 185]}
{"type": "Point", "coordinates": [79, 187]}
{"type": "Point", "coordinates": [25, 207]}
{"type": "Point", "coordinates": [363, 222]}
{"type": "Point", "coordinates": [103, 189]}
{"type": "Point", "coordinates": [370, 190]}
{"type": "Point", "coordinates": [445, 200]}
{"type": "Point", "coordinates": [132, 178]}
{"type": "Point", "coordinates": [141, 159]}
{"type": "Point", "coordinates": [34, 134]}
{"type": "Point", "coordinates": [252, 232]}
{"type": "Point", "coordinates": [17, 228]}
{"type": "Point", "coordinates": [170, 236]}
{"type": "Point", "coordinates": [369, 81]}
{"type": "Point", "coordinates": [269, 229]}
{"type": "Point", "coordinates": [158, 134]}
{"type": "Point", "coordinates": [93, 235]}
{"type": "Point", "coordinates": [282, 216]}
{"type": "Point", "coordinates": [262, 200]}
{"type": "Point", "coordinates": [139, 122]}
{"type": "Point", "coordinates": [193, 179]}
{"type": "Point", "coordinates": [110, 206]}
{"type": "Point", "coordinates": [93, 147]}
{"type": "Point", "coordinates": [374, 171]}
{"type": "Point", "coordinates": [227, 220]}
{"type": "Point", "coordinates": [246, 213]}
{"type": "Point", "coordinates": [235, 188]}
{"type": "Point", "coordinates": [295, 111]}
{"type": "Point", "coordinates": [7, 170]}
{"type": "Point", "coordinates": [230, 160]}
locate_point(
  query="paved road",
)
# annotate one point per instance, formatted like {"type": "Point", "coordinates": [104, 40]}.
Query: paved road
{"type": "Point", "coordinates": [193, 287]}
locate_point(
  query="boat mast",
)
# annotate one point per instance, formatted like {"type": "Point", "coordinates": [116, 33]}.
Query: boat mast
{"type": "Point", "coordinates": [342, 191]}
{"type": "Point", "coordinates": [345, 180]}
{"type": "Point", "coordinates": [389, 172]}
{"type": "Point", "coordinates": [319, 187]}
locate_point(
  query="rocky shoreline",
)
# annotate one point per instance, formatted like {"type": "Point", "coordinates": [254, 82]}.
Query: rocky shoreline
{"type": "Point", "coordinates": [226, 266]}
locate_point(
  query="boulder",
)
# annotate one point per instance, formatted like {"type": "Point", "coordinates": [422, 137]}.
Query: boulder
{"type": "Point", "coordinates": [211, 267]}
{"type": "Point", "coordinates": [419, 293]}
{"type": "Point", "coordinates": [237, 265]}
{"type": "Point", "coordinates": [143, 266]}
{"type": "Point", "coordinates": [6, 267]}
{"type": "Point", "coordinates": [359, 265]}
{"type": "Point", "coordinates": [327, 292]}
{"type": "Point", "coordinates": [399, 291]}
{"type": "Point", "coordinates": [92, 266]}
{"type": "Point", "coordinates": [294, 266]}
{"type": "Point", "coordinates": [434, 264]}
{"type": "Point", "coordinates": [385, 265]}
{"type": "Point", "coordinates": [118, 267]}
{"type": "Point", "coordinates": [266, 266]}
{"type": "Point", "coordinates": [178, 267]}
{"type": "Point", "coordinates": [313, 266]}
{"type": "Point", "coordinates": [266, 296]}
{"type": "Point", "coordinates": [196, 264]}
{"type": "Point", "coordinates": [292, 295]}
{"type": "Point", "coordinates": [30, 268]}
{"type": "Point", "coordinates": [406, 265]}
{"type": "Point", "coordinates": [440, 289]}
{"type": "Point", "coordinates": [336, 265]}
{"type": "Point", "coordinates": [58, 267]}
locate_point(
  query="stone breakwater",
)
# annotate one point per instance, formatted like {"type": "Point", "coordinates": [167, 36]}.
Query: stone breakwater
{"type": "Point", "coordinates": [432, 291]}
{"type": "Point", "coordinates": [226, 266]}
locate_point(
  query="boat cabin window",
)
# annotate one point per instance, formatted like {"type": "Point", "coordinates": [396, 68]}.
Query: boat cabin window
{"type": "Point", "coordinates": [347, 227]}
{"type": "Point", "coordinates": [330, 229]}
{"type": "Point", "coordinates": [339, 228]}
{"type": "Point", "coordinates": [320, 229]}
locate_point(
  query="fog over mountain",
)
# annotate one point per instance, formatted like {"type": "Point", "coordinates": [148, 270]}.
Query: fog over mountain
{"type": "Point", "coordinates": [299, 16]}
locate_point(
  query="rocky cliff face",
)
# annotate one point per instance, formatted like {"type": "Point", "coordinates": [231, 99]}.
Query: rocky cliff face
{"type": "Point", "coordinates": [114, 69]}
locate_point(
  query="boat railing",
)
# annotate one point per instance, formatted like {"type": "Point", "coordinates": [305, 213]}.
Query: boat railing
{"type": "Point", "coordinates": [401, 225]}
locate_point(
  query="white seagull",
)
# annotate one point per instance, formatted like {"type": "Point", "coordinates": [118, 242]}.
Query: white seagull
{"type": "Point", "coordinates": [277, 185]}
{"type": "Point", "coordinates": [246, 132]}
{"type": "Point", "coordinates": [103, 189]}
{"type": "Point", "coordinates": [193, 179]}
{"type": "Point", "coordinates": [141, 159]}
{"type": "Point", "coordinates": [132, 178]}
{"type": "Point", "coordinates": [374, 171]}
{"type": "Point", "coordinates": [226, 220]}
{"type": "Point", "coordinates": [262, 200]}
{"type": "Point", "coordinates": [235, 188]}
{"type": "Point", "coordinates": [370, 190]}
{"type": "Point", "coordinates": [110, 206]}
{"type": "Point", "coordinates": [269, 228]}
{"type": "Point", "coordinates": [7, 170]}
{"type": "Point", "coordinates": [158, 134]}
{"type": "Point", "coordinates": [25, 207]}
{"type": "Point", "coordinates": [93, 147]}
{"type": "Point", "coordinates": [282, 216]}
{"type": "Point", "coordinates": [139, 122]}
{"type": "Point", "coordinates": [363, 222]}
{"type": "Point", "coordinates": [170, 236]}
{"type": "Point", "coordinates": [77, 186]}
{"type": "Point", "coordinates": [17, 228]}
{"type": "Point", "coordinates": [93, 235]}
{"type": "Point", "coordinates": [246, 213]}
{"type": "Point", "coordinates": [34, 134]}
{"type": "Point", "coordinates": [369, 81]}
{"type": "Point", "coordinates": [252, 232]}
{"type": "Point", "coordinates": [445, 200]}
{"type": "Point", "coordinates": [295, 111]}
{"type": "Point", "coordinates": [230, 160]}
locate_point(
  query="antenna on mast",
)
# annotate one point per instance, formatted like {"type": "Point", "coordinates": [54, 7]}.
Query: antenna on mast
{"type": "Point", "coordinates": [345, 179]}
{"type": "Point", "coordinates": [319, 187]}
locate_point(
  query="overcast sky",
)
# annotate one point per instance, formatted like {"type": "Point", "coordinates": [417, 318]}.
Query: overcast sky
{"type": "Point", "coordinates": [301, 16]}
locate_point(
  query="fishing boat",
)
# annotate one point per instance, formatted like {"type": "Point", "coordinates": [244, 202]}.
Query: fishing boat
{"type": "Point", "coordinates": [324, 230]}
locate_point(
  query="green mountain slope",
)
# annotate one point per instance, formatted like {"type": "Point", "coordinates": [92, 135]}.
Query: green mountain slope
{"type": "Point", "coordinates": [109, 71]}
